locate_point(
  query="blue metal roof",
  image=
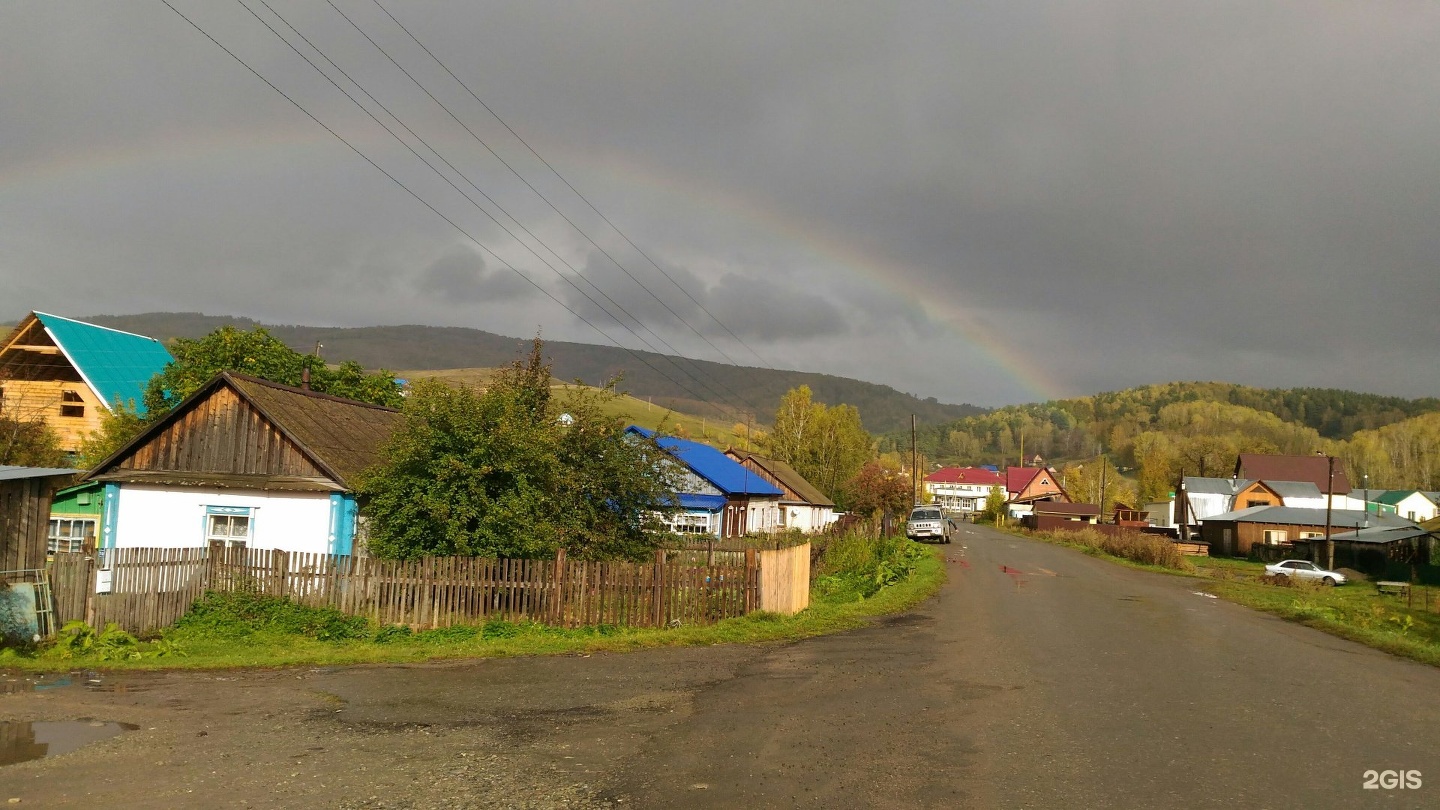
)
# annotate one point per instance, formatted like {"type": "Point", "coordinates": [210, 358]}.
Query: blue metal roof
{"type": "Point", "coordinates": [728, 475]}
{"type": "Point", "coordinates": [708, 503]}
{"type": "Point", "coordinates": [115, 364]}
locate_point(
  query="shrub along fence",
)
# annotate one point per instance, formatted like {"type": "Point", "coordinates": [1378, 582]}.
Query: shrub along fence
{"type": "Point", "coordinates": [142, 589]}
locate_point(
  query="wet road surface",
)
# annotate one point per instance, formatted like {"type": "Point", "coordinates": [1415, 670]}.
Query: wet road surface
{"type": "Point", "coordinates": [1038, 677]}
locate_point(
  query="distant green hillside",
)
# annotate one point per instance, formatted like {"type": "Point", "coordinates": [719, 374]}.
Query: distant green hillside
{"type": "Point", "coordinates": [1197, 427]}
{"type": "Point", "coordinates": [882, 408]}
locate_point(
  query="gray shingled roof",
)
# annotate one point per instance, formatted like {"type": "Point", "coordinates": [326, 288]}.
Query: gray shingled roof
{"type": "Point", "coordinates": [1294, 489]}
{"type": "Point", "coordinates": [1347, 519]}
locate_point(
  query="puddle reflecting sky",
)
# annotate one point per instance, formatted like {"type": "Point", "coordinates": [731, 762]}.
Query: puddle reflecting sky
{"type": "Point", "coordinates": [24, 740]}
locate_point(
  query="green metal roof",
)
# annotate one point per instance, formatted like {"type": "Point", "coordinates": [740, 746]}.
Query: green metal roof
{"type": "Point", "coordinates": [1393, 497]}
{"type": "Point", "coordinates": [115, 364]}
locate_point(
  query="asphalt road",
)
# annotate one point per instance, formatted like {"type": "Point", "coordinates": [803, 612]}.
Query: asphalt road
{"type": "Point", "coordinates": [1038, 677]}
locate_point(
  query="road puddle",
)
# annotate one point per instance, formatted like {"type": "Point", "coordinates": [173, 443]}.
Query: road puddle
{"type": "Point", "coordinates": [92, 681]}
{"type": "Point", "coordinates": [21, 741]}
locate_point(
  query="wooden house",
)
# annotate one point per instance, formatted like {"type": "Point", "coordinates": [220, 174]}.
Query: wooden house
{"type": "Point", "coordinates": [246, 462]}
{"type": "Point", "coordinates": [803, 507]}
{"type": "Point", "coordinates": [1235, 533]}
{"type": "Point", "coordinates": [718, 495]}
{"type": "Point", "coordinates": [68, 373]}
{"type": "Point", "coordinates": [25, 496]}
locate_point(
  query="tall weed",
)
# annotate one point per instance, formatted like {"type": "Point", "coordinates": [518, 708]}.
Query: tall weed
{"type": "Point", "coordinates": [1134, 546]}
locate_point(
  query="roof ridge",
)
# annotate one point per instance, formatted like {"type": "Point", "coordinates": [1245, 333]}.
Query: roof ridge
{"type": "Point", "coordinates": [236, 375]}
{"type": "Point", "coordinates": [37, 313]}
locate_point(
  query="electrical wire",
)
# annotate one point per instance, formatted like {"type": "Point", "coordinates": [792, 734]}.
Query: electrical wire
{"type": "Point", "coordinates": [732, 399]}
{"type": "Point", "coordinates": [420, 199]}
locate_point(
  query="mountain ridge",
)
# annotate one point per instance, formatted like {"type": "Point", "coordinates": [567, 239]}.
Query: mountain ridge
{"type": "Point", "coordinates": [418, 347]}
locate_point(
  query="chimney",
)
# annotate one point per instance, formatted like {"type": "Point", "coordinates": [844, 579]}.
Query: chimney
{"type": "Point", "coordinates": [305, 378]}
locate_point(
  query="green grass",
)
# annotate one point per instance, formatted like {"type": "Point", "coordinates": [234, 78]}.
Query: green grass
{"type": "Point", "coordinates": [1355, 611]}
{"type": "Point", "coordinates": [276, 635]}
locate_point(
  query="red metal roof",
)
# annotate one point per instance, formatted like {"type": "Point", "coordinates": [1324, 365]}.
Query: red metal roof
{"type": "Point", "coordinates": [964, 475]}
{"type": "Point", "coordinates": [1017, 478]}
{"type": "Point", "coordinates": [1314, 469]}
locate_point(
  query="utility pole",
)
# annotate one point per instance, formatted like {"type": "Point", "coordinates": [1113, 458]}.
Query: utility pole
{"type": "Point", "coordinates": [1184, 511]}
{"type": "Point", "coordinates": [914, 476]}
{"type": "Point", "coordinates": [1329, 553]}
{"type": "Point", "coordinates": [1102, 486]}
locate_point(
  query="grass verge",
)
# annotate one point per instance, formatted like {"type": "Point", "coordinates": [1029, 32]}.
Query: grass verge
{"type": "Point", "coordinates": [276, 634]}
{"type": "Point", "coordinates": [1355, 611]}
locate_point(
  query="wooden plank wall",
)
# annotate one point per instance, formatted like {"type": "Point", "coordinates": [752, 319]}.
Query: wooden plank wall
{"type": "Point", "coordinates": [152, 588]}
{"type": "Point", "coordinates": [785, 580]}
{"type": "Point", "coordinates": [24, 523]}
{"type": "Point", "coordinates": [221, 434]}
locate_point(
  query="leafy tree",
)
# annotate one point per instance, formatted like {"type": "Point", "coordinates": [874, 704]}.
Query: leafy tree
{"type": "Point", "coordinates": [501, 473]}
{"type": "Point", "coordinates": [877, 489]}
{"type": "Point", "coordinates": [1084, 483]}
{"type": "Point", "coordinates": [28, 443]}
{"type": "Point", "coordinates": [994, 511]}
{"type": "Point", "coordinates": [258, 353]}
{"type": "Point", "coordinates": [117, 426]}
{"type": "Point", "coordinates": [826, 445]}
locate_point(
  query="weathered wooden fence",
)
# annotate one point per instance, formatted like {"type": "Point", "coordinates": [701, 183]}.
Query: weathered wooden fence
{"type": "Point", "coordinates": [150, 587]}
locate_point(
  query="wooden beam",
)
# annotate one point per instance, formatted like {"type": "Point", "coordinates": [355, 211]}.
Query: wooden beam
{"type": "Point", "coordinates": [38, 349]}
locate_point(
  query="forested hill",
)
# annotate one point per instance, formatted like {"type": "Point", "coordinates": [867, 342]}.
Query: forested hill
{"type": "Point", "coordinates": [1199, 427]}
{"type": "Point", "coordinates": [882, 408]}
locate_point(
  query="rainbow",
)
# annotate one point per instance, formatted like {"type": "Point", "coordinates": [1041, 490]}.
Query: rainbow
{"type": "Point", "coordinates": [305, 143]}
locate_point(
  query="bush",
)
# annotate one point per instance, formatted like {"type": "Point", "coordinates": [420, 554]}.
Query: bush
{"type": "Point", "coordinates": [447, 635]}
{"type": "Point", "coordinates": [856, 566]}
{"type": "Point", "coordinates": [1134, 546]}
{"type": "Point", "coordinates": [238, 614]}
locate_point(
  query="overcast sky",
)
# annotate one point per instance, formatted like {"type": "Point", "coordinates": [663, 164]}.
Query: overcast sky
{"type": "Point", "coordinates": [981, 202]}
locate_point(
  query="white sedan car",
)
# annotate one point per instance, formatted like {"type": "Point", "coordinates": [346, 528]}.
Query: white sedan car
{"type": "Point", "coordinates": [1304, 569]}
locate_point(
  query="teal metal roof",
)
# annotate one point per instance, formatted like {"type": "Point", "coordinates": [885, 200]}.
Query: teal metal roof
{"type": "Point", "coordinates": [115, 364]}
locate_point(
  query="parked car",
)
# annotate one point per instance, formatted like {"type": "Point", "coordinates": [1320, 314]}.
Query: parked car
{"type": "Point", "coordinates": [1304, 569]}
{"type": "Point", "coordinates": [930, 523]}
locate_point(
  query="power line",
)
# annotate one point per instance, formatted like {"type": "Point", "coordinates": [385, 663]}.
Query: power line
{"type": "Point", "coordinates": [733, 398]}
{"type": "Point", "coordinates": [567, 183]}
{"type": "Point", "coordinates": [417, 197]}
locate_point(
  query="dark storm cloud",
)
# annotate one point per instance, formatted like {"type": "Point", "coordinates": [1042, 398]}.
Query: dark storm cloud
{"type": "Point", "coordinates": [461, 276]}
{"type": "Point", "coordinates": [1123, 192]}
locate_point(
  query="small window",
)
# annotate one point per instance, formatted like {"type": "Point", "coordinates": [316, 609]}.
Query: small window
{"type": "Point", "coordinates": [232, 530]}
{"type": "Point", "coordinates": [1312, 535]}
{"type": "Point", "coordinates": [68, 535]}
{"type": "Point", "coordinates": [71, 404]}
{"type": "Point", "coordinates": [1274, 537]}
{"type": "Point", "coordinates": [1251, 504]}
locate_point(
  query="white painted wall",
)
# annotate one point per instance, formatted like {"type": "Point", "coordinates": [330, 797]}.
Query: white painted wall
{"type": "Point", "coordinates": [807, 518]}
{"type": "Point", "coordinates": [1416, 507]}
{"type": "Point", "coordinates": [156, 517]}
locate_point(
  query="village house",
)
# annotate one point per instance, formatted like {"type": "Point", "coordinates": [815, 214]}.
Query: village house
{"type": "Point", "coordinates": [1052, 515]}
{"type": "Point", "coordinates": [1235, 533]}
{"type": "Point", "coordinates": [244, 462]}
{"type": "Point", "coordinates": [718, 495]}
{"type": "Point", "coordinates": [1026, 486]}
{"type": "Point", "coordinates": [962, 489]}
{"type": "Point", "coordinates": [1314, 469]}
{"type": "Point", "coordinates": [69, 373]}
{"type": "Point", "coordinates": [803, 508]}
{"type": "Point", "coordinates": [1410, 504]}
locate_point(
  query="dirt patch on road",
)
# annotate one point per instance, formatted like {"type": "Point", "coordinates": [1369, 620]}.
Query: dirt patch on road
{"type": "Point", "coordinates": [506, 733]}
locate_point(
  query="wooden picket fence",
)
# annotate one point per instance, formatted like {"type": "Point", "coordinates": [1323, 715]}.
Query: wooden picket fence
{"type": "Point", "coordinates": [153, 587]}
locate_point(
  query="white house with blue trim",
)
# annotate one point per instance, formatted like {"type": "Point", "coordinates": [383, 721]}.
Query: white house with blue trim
{"type": "Point", "coordinates": [718, 495]}
{"type": "Point", "coordinates": [244, 462]}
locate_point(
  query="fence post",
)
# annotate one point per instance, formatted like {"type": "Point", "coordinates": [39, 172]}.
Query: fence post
{"type": "Point", "coordinates": [214, 563]}
{"type": "Point", "coordinates": [279, 569]}
{"type": "Point", "coordinates": [658, 589]}
{"type": "Point", "coordinates": [557, 591]}
{"type": "Point", "coordinates": [751, 579]}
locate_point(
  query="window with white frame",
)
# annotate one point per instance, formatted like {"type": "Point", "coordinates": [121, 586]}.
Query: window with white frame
{"type": "Point", "coordinates": [689, 523]}
{"type": "Point", "coordinates": [67, 535]}
{"type": "Point", "coordinates": [1274, 537]}
{"type": "Point", "coordinates": [228, 525]}
{"type": "Point", "coordinates": [1312, 535]}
